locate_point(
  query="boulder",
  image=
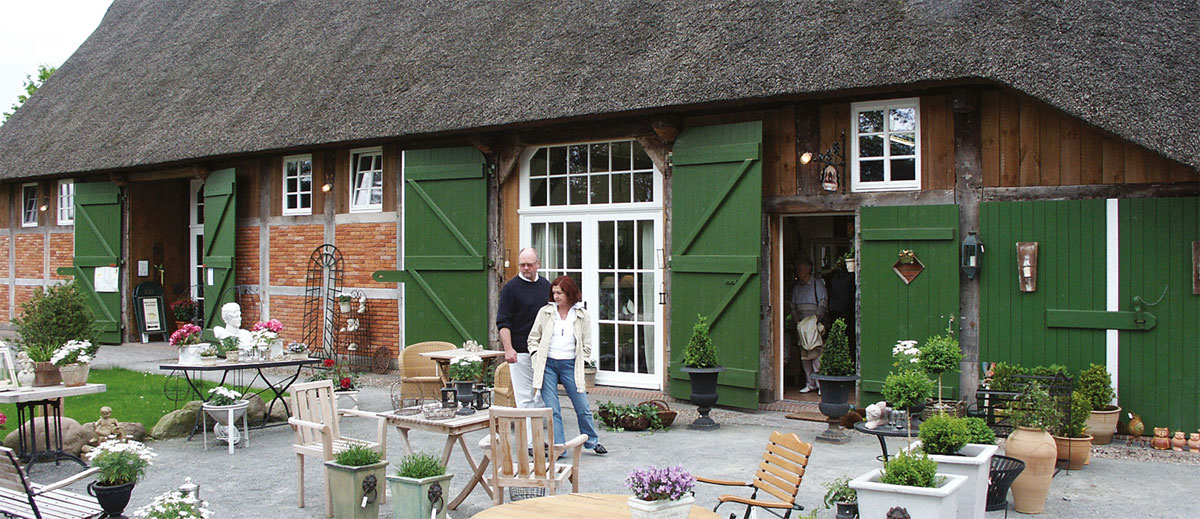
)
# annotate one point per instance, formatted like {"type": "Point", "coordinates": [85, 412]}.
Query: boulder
{"type": "Point", "coordinates": [177, 423]}
{"type": "Point", "coordinates": [255, 409]}
{"type": "Point", "coordinates": [74, 435]}
{"type": "Point", "coordinates": [134, 430]}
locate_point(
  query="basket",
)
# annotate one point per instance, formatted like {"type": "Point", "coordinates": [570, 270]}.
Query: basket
{"type": "Point", "coordinates": [408, 411]}
{"type": "Point", "coordinates": [435, 411]}
{"type": "Point", "coordinates": [665, 414]}
{"type": "Point", "coordinates": [629, 423]}
{"type": "Point", "coordinates": [522, 493]}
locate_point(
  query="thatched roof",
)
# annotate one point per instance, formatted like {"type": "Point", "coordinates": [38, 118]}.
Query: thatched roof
{"type": "Point", "coordinates": [166, 81]}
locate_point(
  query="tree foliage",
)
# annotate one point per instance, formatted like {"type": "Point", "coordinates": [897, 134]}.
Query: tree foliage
{"type": "Point", "coordinates": [56, 316]}
{"type": "Point", "coordinates": [31, 86]}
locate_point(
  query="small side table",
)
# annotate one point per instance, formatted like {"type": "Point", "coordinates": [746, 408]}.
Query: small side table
{"type": "Point", "coordinates": [232, 435]}
{"type": "Point", "coordinates": [884, 431]}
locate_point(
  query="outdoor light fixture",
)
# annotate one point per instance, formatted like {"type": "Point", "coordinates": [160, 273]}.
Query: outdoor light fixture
{"type": "Point", "coordinates": [832, 158]}
{"type": "Point", "coordinates": [1027, 260]}
{"type": "Point", "coordinates": [972, 249]}
{"type": "Point", "coordinates": [328, 185]}
{"type": "Point", "coordinates": [45, 204]}
{"type": "Point", "coordinates": [806, 157]}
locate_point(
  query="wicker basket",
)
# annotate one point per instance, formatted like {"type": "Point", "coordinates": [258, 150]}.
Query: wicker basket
{"type": "Point", "coordinates": [953, 407]}
{"type": "Point", "coordinates": [629, 423]}
{"type": "Point", "coordinates": [665, 414]}
{"type": "Point", "coordinates": [435, 411]}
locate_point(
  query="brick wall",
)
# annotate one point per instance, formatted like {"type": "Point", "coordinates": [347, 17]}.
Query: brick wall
{"type": "Point", "coordinates": [384, 325]}
{"type": "Point", "coordinates": [4, 315]}
{"type": "Point", "coordinates": [366, 247]}
{"type": "Point", "coordinates": [62, 253]}
{"type": "Point", "coordinates": [246, 258]}
{"type": "Point", "coordinates": [291, 246]}
{"type": "Point", "coordinates": [4, 257]}
{"type": "Point", "coordinates": [24, 294]}
{"type": "Point", "coordinates": [289, 310]}
{"type": "Point", "coordinates": [30, 248]}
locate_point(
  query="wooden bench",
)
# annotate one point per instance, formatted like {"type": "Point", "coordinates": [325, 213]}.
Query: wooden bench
{"type": "Point", "coordinates": [20, 497]}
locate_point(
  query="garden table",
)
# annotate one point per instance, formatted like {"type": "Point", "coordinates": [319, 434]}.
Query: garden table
{"type": "Point", "coordinates": [574, 506]}
{"type": "Point", "coordinates": [885, 431]}
{"type": "Point", "coordinates": [278, 388]}
{"type": "Point", "coordinates": [454, 429]}
{"type": "Point", "coordinates": [444, 357]}
{"type": "Point", "coordinates": [49, 399]}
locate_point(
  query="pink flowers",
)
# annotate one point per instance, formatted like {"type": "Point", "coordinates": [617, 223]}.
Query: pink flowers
{"type": "Point", "coordinates": [188, 334]}
{"type": "Point", "coordinates": [272, 325]}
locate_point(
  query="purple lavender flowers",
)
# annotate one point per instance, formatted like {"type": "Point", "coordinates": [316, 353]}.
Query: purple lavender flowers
{"type": "Point", "coordinates": [653, 484]}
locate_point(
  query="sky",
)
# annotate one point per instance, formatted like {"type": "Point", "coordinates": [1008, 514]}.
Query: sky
{"type": "Point", "coordinates": [37, 32]}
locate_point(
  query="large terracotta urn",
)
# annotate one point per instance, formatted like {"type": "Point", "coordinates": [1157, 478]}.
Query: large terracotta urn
{"type": "Point", "coordinates": [1037, 449]}
{"type": "Point", "coordinates": [1102, 424]}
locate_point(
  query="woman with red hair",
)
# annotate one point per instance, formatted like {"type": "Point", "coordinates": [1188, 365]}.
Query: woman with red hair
{"type": "Point", "coordinates": [559, 343]}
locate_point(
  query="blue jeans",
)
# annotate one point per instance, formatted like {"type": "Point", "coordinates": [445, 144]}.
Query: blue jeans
{"type": "Point", "coordinates": [563, 372]}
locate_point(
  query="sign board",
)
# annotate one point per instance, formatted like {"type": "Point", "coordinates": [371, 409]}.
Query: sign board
{"type": "Point", "coordinates": [149, 309]}
{"type": "Point", "coordinates": [106, 279]}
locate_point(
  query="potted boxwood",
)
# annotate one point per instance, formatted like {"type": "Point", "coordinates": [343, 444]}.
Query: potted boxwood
{"type": "Point", "coordinates": [837, 380]}
{"type": "Point", "coordinates": [417, 473]}
{"type": "Point", "coordinates": [838, 493]}
{"type": "Point", "coordinates": [910, 481]}
{"type": "Point", "coordinates": [700, 363]}
{"type": "Point", "coordinates": [1072, 443]}
{"type": "Point", "coordinates": [1030, 443]}
{"type": "Point", "coordinates": [345, 475]}
{"type": "Point", "coordinates": [1096, 385]}
{"type": "Point", "coordinates": [948, 440]}
{"type": "Point", "coordinates": [908, 387]}
{"type": "Point", "coordinates": [122, 463]}
{"type": "Point", "coordinates": [941, 353]}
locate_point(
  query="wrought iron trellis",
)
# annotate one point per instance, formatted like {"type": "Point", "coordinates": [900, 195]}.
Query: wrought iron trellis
{"type": "Point", "coordinates": [322, 286]}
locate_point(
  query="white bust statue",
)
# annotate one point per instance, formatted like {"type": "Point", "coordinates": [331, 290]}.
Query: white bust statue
{"type": "Point", "coordinates": [231, 313]}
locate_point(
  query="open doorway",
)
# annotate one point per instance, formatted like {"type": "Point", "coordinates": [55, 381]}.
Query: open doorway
{"type": "Point", "coordinates": [822, 240]}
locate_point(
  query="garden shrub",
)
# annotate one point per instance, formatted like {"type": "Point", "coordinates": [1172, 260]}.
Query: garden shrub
{"type": "Point", "coordinates": [943, 434]}
{"type": "Point", "coordinates": [55, 316]}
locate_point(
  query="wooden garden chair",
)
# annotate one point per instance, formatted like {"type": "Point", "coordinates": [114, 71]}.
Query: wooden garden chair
{"type": "Point", "coordinates": [510, 432]}
{"type": "Point", "coordinates": [315, 418]}
{"type": "Point", "coordinates": [419, 376]}
{"type": "Point", "coordinates": [20, 497]}
{"type": "Point", "coordinates": [779, 474]}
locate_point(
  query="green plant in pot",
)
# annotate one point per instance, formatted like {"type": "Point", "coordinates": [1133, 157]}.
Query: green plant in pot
{"type": "Point", "coordinates": [911, 480]}
{"type": "Point", "coordinates": [345, 475]}
{"type": "Point", "coordinates": [122, 464]}
{"type": "Point", "coordinates": [941, 353]}
{"type": "Point", "coordinates": [1029, 442]}
{"type": "Point", "coordinates": [907, 389]}
{"type": "Point", "coordinates": [837, 381]}
{"type": "Point", "coordinates": [1070, 434]}
{"type": "Point", "coordinates": [947, 440]}
{"type": "Point", "coordinates": [45, 371]}
{"type": "Point", "coordinates": [838, 493]}
{"type": "Point", "coordinates": [464, 372]}
{"type": "Point", "coordinates": [344, 303]}
{"type": "Point", "coordinates": [1096, 385]}
{"type": "Point", "coordinates": [700, 363]}
{"type": "Point", "coordinates": [410, 485]}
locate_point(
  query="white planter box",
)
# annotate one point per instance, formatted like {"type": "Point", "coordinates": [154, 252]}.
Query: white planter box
{"type": "Point", "coordinates": [875, 498]}
{"type": "Point", "coordinates": [975, 463]}
{"type": "Point", "coordinates": [661, 509]}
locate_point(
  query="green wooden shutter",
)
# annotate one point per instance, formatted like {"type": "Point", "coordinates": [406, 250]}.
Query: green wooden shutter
{"type": "Point", "coordinates": [98, 244]}
{"type": "Point", "coordinates": [445, 239]}
{"type": "Point", "coordinates": [220, 240]}
{"type": "Point", "coordinates": [891, 310]}
{"type": "Point", "coordinates": [716, 212]}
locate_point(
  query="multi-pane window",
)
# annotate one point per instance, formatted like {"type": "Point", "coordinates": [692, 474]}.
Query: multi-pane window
{"type": "Point", "coordinates": [29, 205]}
{"type": "Point", "coordinates": [66, 202]}
{"type": "Point", "coordinates": [297, 184]}
{"type": "Point", "coordinates": [589, 174]}
{"type": "Point", "coordinates": [366, 174]}
{"type": "Point", "coordinates": [885, 152]}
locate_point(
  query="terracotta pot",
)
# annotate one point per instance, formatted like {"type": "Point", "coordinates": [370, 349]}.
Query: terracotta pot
{"type": "Point", "coordinates": [1075, 451]}
{"type": "Point", "coordinates": [1102, 424]}
{"type": "Point", "coordinates": [179, 324]}
{"type": "Point", "coordinates": [1037, 449]}
{"type": "Point", "coordinates": [74, 375]}
{"type": "Point", "coordinates": [46, 374]}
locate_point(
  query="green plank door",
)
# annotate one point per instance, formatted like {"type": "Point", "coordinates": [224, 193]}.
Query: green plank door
{"type": "Point", "coordinates": [716, 212]}
{"type": "Point", "coordinates": [98, 244]}
{"type": "Point", "coordinates": [890, 310]}
{"type": "Point", "coordinates": [220, 240]}
{"type": "Point", "coordinates": [1159, 369]}
{"type": "Point", "coordinates": [445, 239]}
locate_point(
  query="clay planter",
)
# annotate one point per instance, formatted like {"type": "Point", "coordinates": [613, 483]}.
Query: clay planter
{"type": "Point", "coordinates": [1102, 424]}
{"type": "Point", "coordinates": [876, 498]}
{"type": "Point", "coordinates": [589, 378]}
{"type": "Point", "coordinates": [346, 486]}
{"type": "Point", "coordinates": [973, 461]}
{"type": "Point", "coordinates": [46, 374]}
{"type": "Point", "coordinates": [410, 497]}
{"type": "Point", "coordinates": [1037, 449]}
{"type": "Point", "coordinates": [74, 375]}
{"type": "Point", "coordinates": [1075, 451]}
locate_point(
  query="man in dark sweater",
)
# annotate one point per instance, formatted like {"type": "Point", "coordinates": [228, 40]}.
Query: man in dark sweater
{"type": "Point", "coordinates": [520, 300]}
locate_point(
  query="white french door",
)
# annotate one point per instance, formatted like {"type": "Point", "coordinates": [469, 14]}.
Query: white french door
{"type": "Point", "coordinates": [196, 242]}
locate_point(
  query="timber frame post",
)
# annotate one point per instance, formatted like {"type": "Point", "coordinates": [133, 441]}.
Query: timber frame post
{"type": "Point", "coordinates": [502, 159]}
{"type": "Point", "coordinates": [968, 190]}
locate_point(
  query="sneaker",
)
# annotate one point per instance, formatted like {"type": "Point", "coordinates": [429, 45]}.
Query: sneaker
{"type": "Point", "coordinates": [599, 449]}
{"type": "Point", "coordinates": [806, 389]}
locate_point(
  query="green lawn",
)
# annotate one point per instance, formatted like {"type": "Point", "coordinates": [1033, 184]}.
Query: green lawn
{"type": "Point", "coordinates": [134, 396]}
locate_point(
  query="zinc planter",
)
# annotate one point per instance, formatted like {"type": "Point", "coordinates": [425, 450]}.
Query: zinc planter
{"type": "Point", "coordinates": [1036, 448]}
{"type": "Point", "coordinates": [704, 394]}
{"type": "Point", "coordinates": [74, 375]}
{"type": "Point", "coordinates": [661, 509]}
{"type": "Point", "coordinates": [410, 497]}
{"type": "Point", "coordinates": [1103, 424]}
{"type": "Point", "coordinates": [974, 462]}
{"type": "Point", "coordinates": [835, 395]}
{"type": "Point", "coordinates": [346, 484]}
{"type": "Point", "coordinates": [875, 498]}
{"type": "Point", "coordinates": [1076, 451]}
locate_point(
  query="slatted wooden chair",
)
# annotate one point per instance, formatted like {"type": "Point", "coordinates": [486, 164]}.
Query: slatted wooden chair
{"type": "Point", "coordinates": [779, 474]}
{"type": "Point", "coordinates": [419, 375]}
{"type": "Point", "coordinates": [513, 466]}
{"type": "Point", "coordinates": [315, 419]}
{"type": "Point", "coordinates": [502, 387]}
{"type": "Point", "coordinates": [20, 497]}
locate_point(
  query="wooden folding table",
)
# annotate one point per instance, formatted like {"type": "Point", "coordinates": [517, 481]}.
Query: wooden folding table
{"type": "Point", "coordinates": [454, 429]}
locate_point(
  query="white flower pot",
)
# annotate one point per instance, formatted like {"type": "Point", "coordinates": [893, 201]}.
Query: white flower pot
{"type": "Point", "coordinates": [876, 498]}
{"type": "Point", "coordinates": [344, 307]}
{"type": "Point", "coordinates": [190, 354]}
{"type": "Point", "coordinates": [220, 413]}
{"type": "Point", "coordinates": [975, 463]}
{"type": "Point", "coordinates": [661, 509]}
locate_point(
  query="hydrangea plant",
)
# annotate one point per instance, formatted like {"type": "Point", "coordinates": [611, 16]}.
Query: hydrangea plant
{"type": "Point", "coordinates": [222, 395]}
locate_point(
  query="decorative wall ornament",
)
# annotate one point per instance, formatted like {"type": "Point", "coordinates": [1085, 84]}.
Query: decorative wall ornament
{"type": "Point", "coordinates": [907, 266]}
{"type": "Point", "coordinates": [1027, 261]}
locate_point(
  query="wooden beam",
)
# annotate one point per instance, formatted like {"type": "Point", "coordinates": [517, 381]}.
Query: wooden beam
{"type": "Point", "coordinates": [666, 128]}
{"type": "Point", "coordinates": [189, 172]}
{"type": "Point", "coordinates": [840, 203]}
{"type": "Point", "coordinates": [1018, 194]}
{"type": "Point", "coordinates": [968, 189]}
{"type": "Point", "coordinates": [658, 150]}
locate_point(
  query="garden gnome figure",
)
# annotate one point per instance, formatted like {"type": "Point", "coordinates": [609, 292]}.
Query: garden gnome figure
{"type": "Point", "coordinates": [106, 428]}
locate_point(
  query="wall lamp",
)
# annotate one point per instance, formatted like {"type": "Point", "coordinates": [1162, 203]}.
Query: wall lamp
{"type": "Point", "coordinates": [328, 185]}
{"type": "Point", "coordinates": [832, 158]}
{"type": "Point", "coordinates": [45, 204]}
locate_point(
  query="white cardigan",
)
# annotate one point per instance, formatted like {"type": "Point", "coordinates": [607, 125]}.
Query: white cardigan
{"type": "Point", "coordinates": [539, 343]}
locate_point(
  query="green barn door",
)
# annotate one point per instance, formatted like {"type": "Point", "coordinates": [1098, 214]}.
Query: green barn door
{"type": "Point", "coordinates": [716, 212]}
{"type": "Point", "coordinates": [98, 244]}
{"type": "Point", "coordinates": [220, 228]}
{"type": "Point", "coordinates": [445, 239]}
{"type": "Point", "coordinates": [891, 310]}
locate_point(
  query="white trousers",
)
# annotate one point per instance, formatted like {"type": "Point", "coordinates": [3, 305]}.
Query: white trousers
{"type": "Point", "coordinates": [521, 373]}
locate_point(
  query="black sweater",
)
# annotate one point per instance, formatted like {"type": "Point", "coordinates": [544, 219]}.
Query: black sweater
{"type": "Point", "coordinates": [520, 301]}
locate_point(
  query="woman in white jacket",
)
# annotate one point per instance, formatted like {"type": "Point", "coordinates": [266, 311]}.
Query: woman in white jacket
{"type": "Point", "coordinates": [558, 344]}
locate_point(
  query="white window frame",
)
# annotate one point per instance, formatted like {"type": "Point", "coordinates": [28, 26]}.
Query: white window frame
{"type": "Point", "coordinates": [527, 208]}
{"type": "Point", "coordinates": [66, 202]}
{"type": "Point", "coordinates": [354, 188]}
{"type": "Point", "coordinates": [26, 212]}
{"type": "Point", "coordinates": [887, 184]}
{"type": "Point", "coordinates": [299, 191]}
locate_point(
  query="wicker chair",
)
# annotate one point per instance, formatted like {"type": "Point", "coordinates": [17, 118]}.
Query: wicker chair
{"type": "Point", "coordinates": [419, 375]}
{"type": "Point", "coordinates": [502, 384]}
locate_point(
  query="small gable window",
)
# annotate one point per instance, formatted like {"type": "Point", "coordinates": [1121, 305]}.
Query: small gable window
{"type": "Point", "coordinates": [66, 202]}
{"type": "Point", "coordinates": [885, 152]}
{"type": "Point", "coordinates": [366, 174]}
{"type": "Point", "coordinates": [29, 205]}
{"type": "Point", "coordinates": [297, 184]}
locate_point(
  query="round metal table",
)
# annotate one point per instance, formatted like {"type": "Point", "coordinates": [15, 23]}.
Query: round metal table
{"type": "Point", "coordinates": [885, 431]}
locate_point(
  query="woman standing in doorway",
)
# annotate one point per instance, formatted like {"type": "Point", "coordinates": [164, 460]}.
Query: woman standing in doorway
{"type": "Point", "coordinates": [559, 343]}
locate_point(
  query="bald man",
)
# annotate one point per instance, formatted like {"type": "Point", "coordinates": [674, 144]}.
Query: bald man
{"type": "Point", "coordinates": [520, 300]}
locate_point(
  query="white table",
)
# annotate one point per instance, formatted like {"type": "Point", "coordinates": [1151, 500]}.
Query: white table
{"type": "Point", "coordinates": [50, 399]}
{"type": "Point", "coordinates": [232, 435]}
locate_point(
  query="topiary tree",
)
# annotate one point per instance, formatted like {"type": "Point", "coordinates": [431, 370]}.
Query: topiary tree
{"type": "Point", "coordinates": [1096, 385]}
{"type": "Point", "coordinates": [940, 354]}
{"type": "Point", "coordinates": [836, 358]}
{"type": "Point", "coordinates": [1075, 424]}
{"type": "Point", "coordinates": [700, 352]}
{"type": "Point", "coordinates": [56, 316]}
{"type": "Point", "coordinates": [979, 432]}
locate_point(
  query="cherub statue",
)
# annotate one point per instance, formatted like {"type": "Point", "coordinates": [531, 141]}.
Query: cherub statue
{"type": "Point", "coordinates": [106, 428]}
{"type": "Point", "coordinates": [231, 313]}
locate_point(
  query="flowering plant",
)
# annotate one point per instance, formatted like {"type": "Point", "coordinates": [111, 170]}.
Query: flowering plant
{"type": "Point", "coordinates": [120, 461]}
{"type": "Point", "coordinates": [222, 395]}
{"type": "Point", "coordinates": [653, 484]}
{"type": "Point", "coordinates": [208, 351]}
{"type": "Point", "coordinates": [343, 379]}
{"type": "Point", "coordinates": [467, 367]}
{"type": "Point", "coordinates": [3, 420]}
{"type": "Point", "coordinates": [73, 352]}
{"type": "Point", "coordinates": [188, 334]}
{"type": "Point", "coordinates": [184, 309]}
{"type": "Point", "coordinates": [272, 325]}
{"type": "Point", "coordinates": [174, 504]}
{"type": "Point", "coordinates": [907, 256]}
{"type": "Point", "coordinates": [263, 333]}
{"type": "Point", "coordinates": [907, 355]}
{"type": "Point", "coordinates": [297, 347]}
